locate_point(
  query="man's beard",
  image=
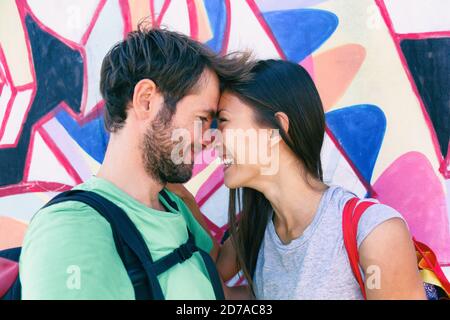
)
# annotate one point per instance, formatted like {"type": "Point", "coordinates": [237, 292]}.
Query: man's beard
{"type": "Point", "coordinates": [157, 146]}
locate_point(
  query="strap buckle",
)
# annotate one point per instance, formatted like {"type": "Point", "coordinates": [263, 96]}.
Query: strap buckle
{"type": "Point", "coordinates": [184, 252]}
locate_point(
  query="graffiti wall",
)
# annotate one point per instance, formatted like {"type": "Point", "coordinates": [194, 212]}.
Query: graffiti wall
{"type": "Point", "coordinates": [381, 67]}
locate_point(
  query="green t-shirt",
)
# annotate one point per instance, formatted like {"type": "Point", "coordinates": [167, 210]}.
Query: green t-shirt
{"type": "Point", "coordinates": [69, 252]}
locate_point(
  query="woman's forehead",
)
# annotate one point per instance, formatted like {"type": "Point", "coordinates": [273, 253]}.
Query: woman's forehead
{"type": "Point", "coordinates": [228, 101]}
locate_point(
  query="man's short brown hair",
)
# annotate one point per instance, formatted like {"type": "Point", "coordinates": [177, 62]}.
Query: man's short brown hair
{"type": "Point", "coordinates": [172, 60]}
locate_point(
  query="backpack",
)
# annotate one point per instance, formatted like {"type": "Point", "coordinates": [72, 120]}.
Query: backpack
{"type": "Point", "coordinates": [130, 245]}
{"type": "Point", "coordinates": [436, 284]}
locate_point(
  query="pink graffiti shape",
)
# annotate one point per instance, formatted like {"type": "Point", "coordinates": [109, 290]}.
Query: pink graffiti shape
{"type": "Point", "coordinates": [411, 186]}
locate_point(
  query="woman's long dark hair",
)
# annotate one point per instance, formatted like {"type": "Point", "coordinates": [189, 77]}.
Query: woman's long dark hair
{"type": "Point", "coordinates": [276, 86]}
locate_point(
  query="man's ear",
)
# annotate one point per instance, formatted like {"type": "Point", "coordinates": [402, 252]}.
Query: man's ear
{"type": "Point", "coordinates": [144, 99]}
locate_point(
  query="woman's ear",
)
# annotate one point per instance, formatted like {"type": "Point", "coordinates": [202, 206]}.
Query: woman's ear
{"type": "Point", "coordinates": [144, 95]}
{"type": "Point", "coordinates": [283, 120]}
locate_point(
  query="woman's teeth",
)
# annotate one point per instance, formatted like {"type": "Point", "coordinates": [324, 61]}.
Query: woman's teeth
{"type": "Point", "coordinates": [227, 162]}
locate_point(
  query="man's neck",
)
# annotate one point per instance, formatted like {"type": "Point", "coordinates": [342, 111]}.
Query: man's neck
{"type": "Point", "coordinates": [123, 167]}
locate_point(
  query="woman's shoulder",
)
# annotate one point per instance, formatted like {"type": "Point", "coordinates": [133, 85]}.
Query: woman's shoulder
{"type": "Point", "coordinates": [375, 216]}
{"type": "Point", "coordinates": [340, 196]}
{"type": "Point", "coordinates": [371, 218]}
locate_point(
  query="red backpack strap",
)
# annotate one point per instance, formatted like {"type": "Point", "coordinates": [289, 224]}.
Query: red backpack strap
{"type": "Point", "coordinates": [430, 262]}
{"type": "Point", "coordinates": [350, 219]}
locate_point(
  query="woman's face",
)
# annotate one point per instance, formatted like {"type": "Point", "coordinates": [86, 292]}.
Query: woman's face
{"type": "Point", "coordinates": [246, 145]}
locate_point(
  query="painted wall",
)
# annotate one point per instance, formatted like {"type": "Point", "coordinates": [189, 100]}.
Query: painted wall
{"type": "Point", "coordinates": [381, 67]}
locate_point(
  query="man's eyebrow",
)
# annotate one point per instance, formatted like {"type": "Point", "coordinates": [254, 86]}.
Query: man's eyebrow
{"type": "Point", "coordinates": [210, 111]}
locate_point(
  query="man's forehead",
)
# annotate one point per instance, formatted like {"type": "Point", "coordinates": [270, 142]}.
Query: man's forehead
{"type": "Point", "coordinates": [199, 106]}
{"type": "Point", "coordinates": [208, 80]}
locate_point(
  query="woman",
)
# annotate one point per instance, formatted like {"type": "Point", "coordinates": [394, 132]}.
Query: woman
{"type": "Point", "coordinates": [288, 239]}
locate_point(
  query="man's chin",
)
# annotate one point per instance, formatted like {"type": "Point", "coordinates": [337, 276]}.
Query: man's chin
{"type": "Point", "coordinates": [182, 175]}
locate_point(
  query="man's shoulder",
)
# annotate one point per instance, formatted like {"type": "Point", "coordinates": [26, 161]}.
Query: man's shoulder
{"type": "Point", "coordinates": [71, 234]}
{"type": "Point", "coordinates": [66, 219]}
{"type": "Point", "coordinates": [66, 211]}
{"type": "Point", "coordinates": [66, 228]}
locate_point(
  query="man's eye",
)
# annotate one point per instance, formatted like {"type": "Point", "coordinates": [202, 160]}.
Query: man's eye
{"type": "Point", "coordinates": [222, 119]}
{"type": "Point", "coordinates": [203, 119]}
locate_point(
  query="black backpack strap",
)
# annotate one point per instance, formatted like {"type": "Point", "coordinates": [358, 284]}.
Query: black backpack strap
{"type": "Point", "coordinates": [185, 251]}
{"type": "Point", "coordinates": [12, 254]}
{"type": "Point", "coordinates": [141, 272]}
{"type": "Point", "coordinates": [210, 265]}
{"type": "Point", "coordinates": [169, 201]}
{"type": "Point", "coordinates": [214, 277]}
{"type": "Point", "coordinates": [129, 242]}
{"type": "Point", "coordinates": [179, 255]}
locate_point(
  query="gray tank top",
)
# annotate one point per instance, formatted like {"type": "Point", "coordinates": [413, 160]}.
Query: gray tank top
{"type": "Point", "coordinates": [315, 265]}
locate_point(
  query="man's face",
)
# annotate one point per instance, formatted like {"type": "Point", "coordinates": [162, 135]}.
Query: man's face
{"type": "Point", "coordinates": [171, 141]}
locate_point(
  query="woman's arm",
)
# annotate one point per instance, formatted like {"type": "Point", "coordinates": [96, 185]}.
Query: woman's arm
{"type": "Point", "coordinates": [227, 267]}
{"type": "Point", "coordinates": [227, 261]}
{"type": "Point", "coordinates": [237, 293]}
{"type": "Point", "coordinates": [225, 255]}
{"type": "Point", "coordinates": [389, 261]}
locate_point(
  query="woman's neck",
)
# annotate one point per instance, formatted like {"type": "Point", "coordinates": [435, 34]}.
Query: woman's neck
{"type": "Point", "coordinates": [295, 197]}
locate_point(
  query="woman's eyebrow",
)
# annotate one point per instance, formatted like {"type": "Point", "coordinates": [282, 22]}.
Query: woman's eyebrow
{"type": "Point", "coordinates": [221, 110]}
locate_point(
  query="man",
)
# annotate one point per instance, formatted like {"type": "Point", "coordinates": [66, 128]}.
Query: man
{"type": "Point", "coordinates": [154, 82]}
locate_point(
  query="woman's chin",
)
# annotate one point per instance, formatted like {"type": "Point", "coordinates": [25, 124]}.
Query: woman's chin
{"type": "Point", "coordinates": [232, 185]}
{"type": "Point", "coordinates": [228, 183]}
{"type": "Point", "coordinates": [229, 179]}
{"type": "Point", "coordinates": [237, 177]}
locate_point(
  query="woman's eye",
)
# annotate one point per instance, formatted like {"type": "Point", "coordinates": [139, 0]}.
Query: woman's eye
{"type": "Point", "coordinates": [222, 119]}
{"type": "Point", "coordinates": [202, 119]}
